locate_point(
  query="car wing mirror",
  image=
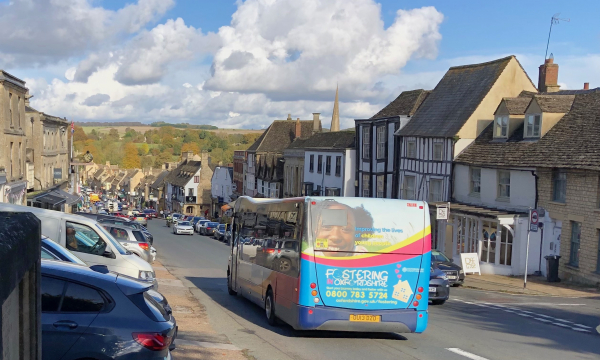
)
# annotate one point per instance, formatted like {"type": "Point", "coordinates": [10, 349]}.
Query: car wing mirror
{"type": "Point", "coordinates": [109, 254]}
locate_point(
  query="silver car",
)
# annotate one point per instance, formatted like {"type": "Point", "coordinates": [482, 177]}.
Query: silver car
{"type": "Point", "coordinates": [200, 224]}
{"type": "Point", "coordinates": [132, 240]}
{"type": "Point", "coordinates": [183, 227]}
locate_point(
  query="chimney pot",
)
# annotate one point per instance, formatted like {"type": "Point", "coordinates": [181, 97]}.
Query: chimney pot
{"type": "Point", "coordinates": [586, 86]}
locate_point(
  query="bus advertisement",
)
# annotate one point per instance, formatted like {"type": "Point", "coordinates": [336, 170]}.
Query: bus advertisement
{"type": "Point", "coordinates": [349, 264]}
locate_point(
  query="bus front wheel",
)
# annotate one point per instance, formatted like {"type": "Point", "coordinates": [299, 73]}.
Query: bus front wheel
{"type": "Point", "coordinates": [270, 308]}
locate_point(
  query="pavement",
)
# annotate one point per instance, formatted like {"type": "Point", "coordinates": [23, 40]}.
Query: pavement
{"type": "Point", "coordinates": [480, 324]}
{"type": "Point", "coordinates": [536, 285]}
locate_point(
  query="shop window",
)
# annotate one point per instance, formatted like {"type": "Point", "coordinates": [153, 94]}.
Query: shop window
{"type": "Point", "coordinates": [506, 243]}
{"type": "Point", "coordinates": [488, 244]}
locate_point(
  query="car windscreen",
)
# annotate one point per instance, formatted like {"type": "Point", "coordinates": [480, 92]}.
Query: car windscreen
{"type": "Point", "coordinates": [438, 256]}
{"type": "Point", "coordinates": [203, 222]}
{"type": "Point", "coordinates": [184, 223]}
{"type": "Point", "coordinates": [221, 227]}
{"type": "Point", "coordinates": [213, 224]}
{"type": "Point", "coordinates": [112, 240]}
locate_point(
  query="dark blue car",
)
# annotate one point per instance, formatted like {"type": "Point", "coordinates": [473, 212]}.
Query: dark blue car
{"type": "Point", "coordinates": [99, 315]}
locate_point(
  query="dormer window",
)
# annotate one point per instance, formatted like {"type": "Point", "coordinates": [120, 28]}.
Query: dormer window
{"type": "Point", "coordinates": [501, 126]}
{"type": "Point", "coordinates": [533, 125]}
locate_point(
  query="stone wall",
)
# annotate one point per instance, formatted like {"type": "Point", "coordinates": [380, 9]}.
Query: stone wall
{"type": "Point", "coordinates": [20, 307]}
{"type": "Point", "coordinates": [581, 206]}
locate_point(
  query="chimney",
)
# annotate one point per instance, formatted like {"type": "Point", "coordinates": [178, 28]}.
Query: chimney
{"type": "Point", "coordinates": [27, 97]}
{"type": "Point", "coordinates": [298, 131]}
{"type": "Point", "coordinates": [188, 155]}
{"type": "Point", "coordinates": [548, 76]}
{"type": "Point", "coordinates": [316, 123]}
{"type": "Point", "coordinates": [586, 86]}
{"type": "Point", "coordinates": [289, 117]}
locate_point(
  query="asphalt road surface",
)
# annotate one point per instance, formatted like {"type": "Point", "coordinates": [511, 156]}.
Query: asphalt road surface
{"type": "Point", "coordinates": [473, 324]}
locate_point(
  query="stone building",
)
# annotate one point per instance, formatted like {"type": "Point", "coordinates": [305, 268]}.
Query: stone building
{"type": "Point", "coordinates": [47, 145]}
{"type": "Point", "coordinates": [188, 187]}
{"type": "Point", "coordinates": [13, 140]}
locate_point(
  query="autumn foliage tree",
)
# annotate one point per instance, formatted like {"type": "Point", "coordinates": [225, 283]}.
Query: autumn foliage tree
{"type": "Point", "coordinates": [193, 147]}
{"type": "Point", "coordinates": [131, 160]}
{"type": "Point", "coordinates": [79, 134]}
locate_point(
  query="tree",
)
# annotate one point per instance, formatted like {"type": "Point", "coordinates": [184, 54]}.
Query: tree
{"type": "Point", "coordinates": [154, 151]}
{"type": "Point", "coordinates": [131, 160]}
{"type": "Point", "coordinates": [145, 149]}
{"type": "Point", "coordinates": [147, 161]}
{"type": "Point", "coordinates": [79, 134]}
{"type": "Point", "coordinates": [93, 135]}
{"type": "Point", "coordinates": [193, 147]}
{"type": "Point", "coordinates": [162, 158]}
{"type": "Point", "coordinates": [113, 134]}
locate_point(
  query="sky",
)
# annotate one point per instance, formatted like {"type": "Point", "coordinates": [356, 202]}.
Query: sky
{"type": "Point", "coordinates": [243, 64]}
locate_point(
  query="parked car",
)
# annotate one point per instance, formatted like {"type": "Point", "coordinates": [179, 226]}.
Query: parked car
{"type": "Point", "coordinates": [141, 219]}
{"type": "Point", "coordinates": [455, 273]}
{"type": "Point", "coordinates": [194, 220]}
{"type": "Point", "coordinates": [85, 237]}
{"type": "Point", "coordinates": [200, 224]}
{"type": "Point", "coordinates": [210, 227]}
{"type": "Point", "coordinates": [94, 314]}
{"type": "Point", "coordinates": [150, 213]}
{"type": "Point", "coordinates": [132, 224]}
{"type": "Point", "coordinates": [103, 211]}
{"type": "Point", "coordinates": [439, 287]}
{"type": "Point", "coordinates": [219, 232]}
{"type": "Point", "coordinates": [132, 239]}
{"type": "Point", "coordinates": [183, 227]}
{"type": "Point", "coordinates": [52, 250]}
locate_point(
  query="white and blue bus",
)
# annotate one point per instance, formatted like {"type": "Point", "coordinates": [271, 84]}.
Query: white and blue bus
{"type": "Point", "coordinates": [321, 263]}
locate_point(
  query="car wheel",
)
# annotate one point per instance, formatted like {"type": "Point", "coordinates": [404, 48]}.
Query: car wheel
{"type": "Point", "coordinates": [270, 308]}
{"type": "Point", "coordinates": [229, 288]}
{"type": "Point", "coordinates": [438, 302]}
{"type": "Point", "coordinates": [455, 285]}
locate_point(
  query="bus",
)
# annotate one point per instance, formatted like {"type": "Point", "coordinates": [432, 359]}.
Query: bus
{"type": "Point", "coordinates": [333, 263]}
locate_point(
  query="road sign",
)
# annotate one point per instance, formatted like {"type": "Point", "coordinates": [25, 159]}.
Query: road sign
{"type": "Point", "coordinates": [533, 220]}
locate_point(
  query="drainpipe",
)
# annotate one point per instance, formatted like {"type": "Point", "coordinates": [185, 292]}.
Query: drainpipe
{"type": "Point", "coordinates": [536, 187]}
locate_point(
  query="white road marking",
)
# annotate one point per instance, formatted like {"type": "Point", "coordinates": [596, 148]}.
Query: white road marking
{"type": "Point", "coordinates": [466, 354]}
{"type": "Point", "coordinates": [583, 326]}
{"type": "Point", "coordinates": [535, 316]}
{"type": "Point", "coordinates": [581, 330]}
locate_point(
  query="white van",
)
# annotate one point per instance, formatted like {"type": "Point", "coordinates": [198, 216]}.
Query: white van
{"type": "Point", "coordinates": [89, 241]}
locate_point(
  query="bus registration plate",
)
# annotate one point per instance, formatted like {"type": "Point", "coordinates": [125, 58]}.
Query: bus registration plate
{"type": "Point", "coordinates": [365, 318]}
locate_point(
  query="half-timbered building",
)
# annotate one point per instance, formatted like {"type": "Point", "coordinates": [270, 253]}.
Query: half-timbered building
{"type": "Point", "coordinates": [377, 147]}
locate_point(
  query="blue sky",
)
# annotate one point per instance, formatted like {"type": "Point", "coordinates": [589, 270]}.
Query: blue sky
{"type": "Point", "coordinates": [183, 60]}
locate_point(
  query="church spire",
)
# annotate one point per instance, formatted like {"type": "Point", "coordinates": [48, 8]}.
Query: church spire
{"type": "Point", "coordinates": [335, 118]}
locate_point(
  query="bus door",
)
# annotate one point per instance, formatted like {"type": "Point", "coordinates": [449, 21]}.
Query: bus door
{"type": "Point", "coordinates": [368, 253]}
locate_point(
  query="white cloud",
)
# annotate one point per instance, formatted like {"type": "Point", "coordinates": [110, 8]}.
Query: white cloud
{"type": "Point", "coordinates": [39, 32]}
{"type": "Point", "coordinates": [291, 49]}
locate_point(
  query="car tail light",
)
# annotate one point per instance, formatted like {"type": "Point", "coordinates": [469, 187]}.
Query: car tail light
{"type": "Point", "coordinates": [152, 341]}
{"type": "Point", "coordinates": [270, 251]}
{"type": "Point", "coordinates": [144, 246]}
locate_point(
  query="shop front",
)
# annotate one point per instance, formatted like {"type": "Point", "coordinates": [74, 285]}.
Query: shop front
{"type": "Point", "coordinates": [498, 237]}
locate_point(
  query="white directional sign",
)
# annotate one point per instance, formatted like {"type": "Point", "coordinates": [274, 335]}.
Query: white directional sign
{"type": "Point", "coordinates": [442, 211]}
{"type": "Point", "coordinates": [470, 263]}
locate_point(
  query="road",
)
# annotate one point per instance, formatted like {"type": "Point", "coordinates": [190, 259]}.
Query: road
{"type": "Point", "coordinates": [471, 325]}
